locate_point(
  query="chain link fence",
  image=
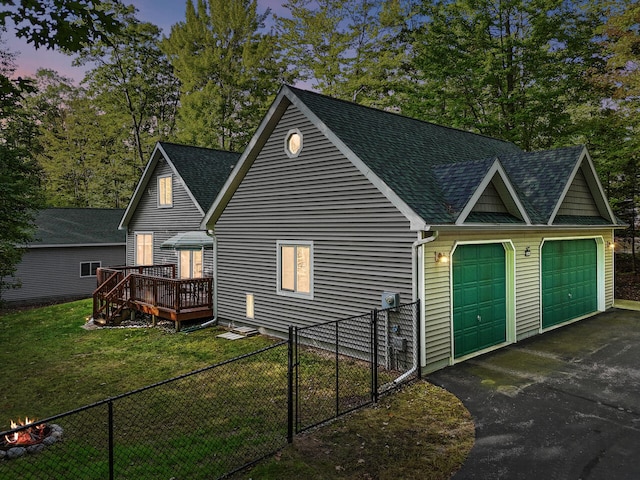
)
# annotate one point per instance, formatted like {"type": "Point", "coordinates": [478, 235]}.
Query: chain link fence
{"type": "Point", "coordinates": [202, 425]}
{"type": "Point", "coordinates": [343, 365]}
{"type": "Point", "coordinates": [213, 422]}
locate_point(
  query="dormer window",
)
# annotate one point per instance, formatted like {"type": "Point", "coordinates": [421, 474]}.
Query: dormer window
{"type": "Point", "coordinates": [165, 191]}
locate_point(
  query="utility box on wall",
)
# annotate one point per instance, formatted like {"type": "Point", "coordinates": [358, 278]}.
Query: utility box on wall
{"type": "Point", "coordinates": [390, 300]}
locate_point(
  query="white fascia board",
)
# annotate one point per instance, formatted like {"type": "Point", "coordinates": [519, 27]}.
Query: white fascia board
{"type": "Point", "coordinates": [496, 168]}
{"type": "Point", "coordinates": [246, 159]}
{"type": "Point", "coordinates": [593, 180]}
{"type": "Point", "coordinates": [142, 184]}
{"type": "Point", "coordinates": [417, 223]}
{"type": "Point", "coordinates": [565, 190]}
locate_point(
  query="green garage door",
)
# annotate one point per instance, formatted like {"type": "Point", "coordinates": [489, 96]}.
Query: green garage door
{"type": "Point", "coordinates": [569, 280]}
{"type": "Point", "coordinates": [479, 297]}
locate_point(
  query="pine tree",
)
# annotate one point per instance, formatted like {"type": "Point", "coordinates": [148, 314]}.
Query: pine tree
{"type": "Point", "coordinates": [229, 72]}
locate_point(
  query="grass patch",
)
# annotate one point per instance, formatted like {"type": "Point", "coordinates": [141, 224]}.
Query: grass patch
{"type": "Point", "coordinates": [207, 424]}
{"type": "Point", "coordinates": [50, 364]}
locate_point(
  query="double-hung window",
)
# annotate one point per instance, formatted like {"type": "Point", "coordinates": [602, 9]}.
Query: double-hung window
{"type": "Point", "coordinates": [295, 268]}
{"type": "Point", "coordinates": [144, 249]}
{"type": "Point", "coordinates": [165, 191]}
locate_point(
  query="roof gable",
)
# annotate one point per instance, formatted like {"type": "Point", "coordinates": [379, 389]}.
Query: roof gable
{"type": "Point", "coordinates": [78, 226]}
{"type": "Point", "coordinates": [496, 196]}
{"type": "Point", "coordinates": [583, 195]}
{"type": "Point", "coordinates": [202, 172]}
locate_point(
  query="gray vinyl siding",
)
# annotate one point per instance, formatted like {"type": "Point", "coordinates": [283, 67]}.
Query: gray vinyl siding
{"type": "Point", "coordinates": [163, 222]}
{"type": "Point", "coordinates": [361, 242]}
{"type": "Point", "coordinates": [49, 274]}
{"type": "Point", "coordinates": [527, 289]}
{"type": "Point", "coordinates": [490, 201]}
{"type": "Point", "coordinates": [579, 200]}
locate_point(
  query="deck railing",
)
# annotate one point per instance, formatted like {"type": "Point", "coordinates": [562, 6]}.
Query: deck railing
{"type": "Point", "coordinates": [170, 293]}
{"type": "Point", "coordinates": [165, 271]}
{"type": "Point", "coordinates": [151, 288]}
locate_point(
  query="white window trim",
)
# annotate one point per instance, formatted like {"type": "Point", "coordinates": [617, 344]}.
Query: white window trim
{"type": "Point", "coordinates": [290, 154]}
{"type": "Point", "coordinates": [167, 205]}
{"type": "Point", "coordinates": [135, 247]}
{"type": "Point", "coordinates": [294, 243]}
{"type": "Point", "coordinates": [190, 250]}
{"type": "Point", "coordinates": [90, 262]}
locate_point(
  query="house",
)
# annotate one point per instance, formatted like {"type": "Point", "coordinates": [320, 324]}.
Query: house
{"type": "Point", "coordinates": [162, 220]}
{"type": "Point", "coordinates": [70, 245]}
{"type": "Point", "coordinates": [164, 238]}
{"type": "Point", "coordinates": [334, 205]}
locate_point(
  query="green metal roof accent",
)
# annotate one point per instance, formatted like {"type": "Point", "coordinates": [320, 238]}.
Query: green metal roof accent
{"type": "Point", "coordinates": [188, 241]}
{"type": "Point", "coordinates": [204, 170]}
{"type": "Point", "coordinates": [78, 226]}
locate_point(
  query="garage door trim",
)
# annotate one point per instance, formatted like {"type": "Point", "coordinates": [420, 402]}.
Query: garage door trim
{"type": "Point", "coordinates": [600, 278]}
{"type": "Point", "coordinates": [510, 280]}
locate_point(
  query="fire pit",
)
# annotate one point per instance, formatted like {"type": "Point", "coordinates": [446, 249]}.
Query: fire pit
{"type": "Point", "coordinates": [32, 439]}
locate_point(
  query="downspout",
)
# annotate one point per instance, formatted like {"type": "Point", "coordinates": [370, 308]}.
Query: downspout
{"type": "Point", "coordinates": [417, 295]}
{"type": "Point", "coordinates": [214, 320]}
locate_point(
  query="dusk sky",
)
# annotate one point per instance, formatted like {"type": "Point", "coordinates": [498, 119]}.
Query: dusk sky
{"type": "Point", "coordinates": [163, 13]}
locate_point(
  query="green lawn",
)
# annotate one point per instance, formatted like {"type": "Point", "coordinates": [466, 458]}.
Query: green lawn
{"type": "Point", "coordinates": [50, 364]}
{"type": "Point", "coordinates": [204, 425]}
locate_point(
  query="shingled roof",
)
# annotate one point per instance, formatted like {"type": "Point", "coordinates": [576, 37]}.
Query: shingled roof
{"type": "Point", "coordinates": [204, 170]}
{"type": "Point", "coordinates": [403, 151]}
{"type": "Point", "coordinates": [78, 226]}
{"type": "Point", "coordinates": [432, 172]}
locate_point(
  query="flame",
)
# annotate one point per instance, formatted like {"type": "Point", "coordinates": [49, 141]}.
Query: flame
{"type": "Point", "coordinates": [24, 436]}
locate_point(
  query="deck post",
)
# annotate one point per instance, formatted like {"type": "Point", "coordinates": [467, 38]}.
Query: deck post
{"type": "Point", "coordinates": [154, 320]}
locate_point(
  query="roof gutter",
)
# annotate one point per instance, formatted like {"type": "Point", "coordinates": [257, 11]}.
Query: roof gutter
{"type": "Point", "coordinates": [418, 287]}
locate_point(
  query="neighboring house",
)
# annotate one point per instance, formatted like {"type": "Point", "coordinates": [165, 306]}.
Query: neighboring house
{"type": "Point", "coordinates": [162, 220]}
{"type": "Point", "coordinates": [332, 204]}
{"type": "Point", "coordinates": [70, 244]}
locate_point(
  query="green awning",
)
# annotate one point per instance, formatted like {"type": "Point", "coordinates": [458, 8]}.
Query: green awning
{"type": "Point", "coordinates": [188, 241]}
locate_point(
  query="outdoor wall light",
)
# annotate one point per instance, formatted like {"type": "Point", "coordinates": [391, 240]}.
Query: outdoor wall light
{"type": "Point", "coordinates": [611, 245]}
{"type": "Point", "coordinates": [527, 252]}
{"type": "Point", "coordinates": [442, 257]}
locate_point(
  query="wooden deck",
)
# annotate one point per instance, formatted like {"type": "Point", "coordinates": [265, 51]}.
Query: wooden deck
{"type": "Point", "coordinates": [153, 290]}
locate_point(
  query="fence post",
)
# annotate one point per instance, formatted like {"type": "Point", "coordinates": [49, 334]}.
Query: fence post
{"type": "Point", "coordinates": [374, 363]}
{"type": "Point", "coordinates": [290, 367]}
{"type": "Point", "coordinates": [110, 414]}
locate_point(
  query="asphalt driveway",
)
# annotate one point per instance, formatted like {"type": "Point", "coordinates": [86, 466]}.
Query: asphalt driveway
{"type": "Point", "coordinates": [562, 405]}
